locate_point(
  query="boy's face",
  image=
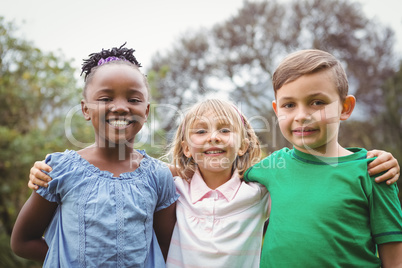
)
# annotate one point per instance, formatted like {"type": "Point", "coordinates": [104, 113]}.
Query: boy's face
{"type": "Point", "coordinates": [309, 111]}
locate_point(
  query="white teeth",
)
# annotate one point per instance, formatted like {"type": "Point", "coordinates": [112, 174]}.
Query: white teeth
{"type": "Point", "coordinates": [118, 123]}
{"type": "Point", "coordinates": [214, 152]}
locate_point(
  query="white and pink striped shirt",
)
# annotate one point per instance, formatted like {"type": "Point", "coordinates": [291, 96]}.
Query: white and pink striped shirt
{"type": "Point", "coordinates": [218, 228]}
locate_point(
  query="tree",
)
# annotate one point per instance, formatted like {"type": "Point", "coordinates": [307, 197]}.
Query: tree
{"type": "Point", "coordinates": [389, 120]}
{"type": "Point", "coordinates": [37, 89]}
{"type": "Point", "coordinates": [240, 54]}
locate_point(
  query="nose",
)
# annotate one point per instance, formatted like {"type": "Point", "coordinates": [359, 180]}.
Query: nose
{"type": "Point", "coordinates": [119, 106]}
{"type": "Point", "coordinates": [302, 115]}
{"type": "Point", "coordinates": [214, 136]}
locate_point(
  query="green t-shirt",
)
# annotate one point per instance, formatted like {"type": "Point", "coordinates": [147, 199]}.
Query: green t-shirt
{"type": "Point", "coordinates": [326, 212]}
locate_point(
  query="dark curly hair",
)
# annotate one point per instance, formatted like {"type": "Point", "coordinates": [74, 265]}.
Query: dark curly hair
{"type": "Point", "coordinates": [90, 65]}
{"type": "Point", "coordinates": [121, 52]}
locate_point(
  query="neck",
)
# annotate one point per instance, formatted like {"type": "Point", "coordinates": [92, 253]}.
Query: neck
{"type": "Point", "coordinates": [114, 152]}
{"type": "Point", "coordinates": [215, 179]}
{"type": "Point", "coordinates": [116, 160]}
{"type": "Point", "coordinates": [329, 150]}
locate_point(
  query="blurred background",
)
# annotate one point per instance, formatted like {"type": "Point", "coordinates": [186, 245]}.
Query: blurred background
{"type": "Point", "coordinates": [189, 50]}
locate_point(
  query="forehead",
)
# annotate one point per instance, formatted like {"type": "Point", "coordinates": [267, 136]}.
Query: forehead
{"type": "Point", "coordinates": [309, 84]}
{"type": "Point", "coordinates": [118, 76]}
{"type": "Point", "coordinates": [211, 118]}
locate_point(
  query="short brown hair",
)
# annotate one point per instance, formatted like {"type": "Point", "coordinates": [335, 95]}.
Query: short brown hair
{"type": "Point", "coordinates": [310, 61]}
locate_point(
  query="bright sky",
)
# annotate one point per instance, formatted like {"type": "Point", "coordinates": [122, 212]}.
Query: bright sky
{"type": "Point", "coordinates": [80, 27]}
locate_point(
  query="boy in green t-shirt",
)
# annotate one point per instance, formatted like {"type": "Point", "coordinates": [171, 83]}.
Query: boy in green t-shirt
{"type": "Point", "coordinates": [326, 209]}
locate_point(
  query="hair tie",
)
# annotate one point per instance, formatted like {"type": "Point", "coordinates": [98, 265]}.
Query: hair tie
{"type": "Point", "coordinates": [109, 59]}
{"type": "Point", "coordinates": [241, 116]}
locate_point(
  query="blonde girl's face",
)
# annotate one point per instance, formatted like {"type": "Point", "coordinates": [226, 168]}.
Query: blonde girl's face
{"type": "Point", "coordinates": [213, 143]}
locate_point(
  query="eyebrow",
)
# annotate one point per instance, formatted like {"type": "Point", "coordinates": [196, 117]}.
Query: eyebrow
{"type": "Point", "coordinates": [108, 90]}
{"type": "Point", "coordinates": [319, 94]}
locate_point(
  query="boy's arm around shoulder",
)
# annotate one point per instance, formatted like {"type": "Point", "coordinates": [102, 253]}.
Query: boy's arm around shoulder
{"type": "Point", "coordinates": [32, 221]}
{"type": "Point", "coordinates": [391, 254]}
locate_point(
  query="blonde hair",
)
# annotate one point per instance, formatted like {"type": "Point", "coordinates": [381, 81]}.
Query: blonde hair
{"type": "Point", "coordinates": [227, 113]}
{"type": "Point", "coordinates": [310, 61]}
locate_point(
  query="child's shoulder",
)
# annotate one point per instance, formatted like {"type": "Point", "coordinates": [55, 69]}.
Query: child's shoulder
{"type": "Point", "coordinates": [62, 157]}
{"type": "Point", "coordinates": [62, 162]}
{"type": "Point", "coordinates": [150, 163]}
{"type": "Point", "coordinates": [274, 157]}
{"type": "Point", "coordinates": [154, 168]}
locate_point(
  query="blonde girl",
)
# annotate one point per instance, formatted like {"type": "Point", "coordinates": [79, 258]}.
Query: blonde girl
{"type": "Point", "coordinates": [220, 217]}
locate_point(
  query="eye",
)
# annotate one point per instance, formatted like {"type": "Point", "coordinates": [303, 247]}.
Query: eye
{"type": "Point", "coordinates": [225, 130]}
{"type": "Point", "coordinates": [134, 100]}
{"type": "Point", "coordinates": [288, 105]}
{"type": "Point", "coordinates": [318, 103]}
{"type": "Point", "coordinates": [105, 99]}
{"type": "Point", "coordinates": [200, 131]}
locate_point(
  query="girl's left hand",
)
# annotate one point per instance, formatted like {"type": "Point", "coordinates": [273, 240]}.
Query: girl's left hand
{"type": "Point", "coordinates": [384, 162]}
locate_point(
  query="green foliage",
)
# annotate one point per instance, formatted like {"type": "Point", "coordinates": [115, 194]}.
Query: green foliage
{"type": "Point", "coordinates": [37, 90]}
{"type": "Point", "coordinates": [237, 57]}
{"type": "Point", "coordinates": [390, 120]}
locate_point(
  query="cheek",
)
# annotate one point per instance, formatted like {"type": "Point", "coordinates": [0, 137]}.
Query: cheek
{"type": "Point", "coordinates": [195, 142]}
{"type": "Point", "coordinates": [329, 115]}
{"type": "Point", "coordinates": [283, 120]}
{"type": "Point", "coordinates": [282, 116]}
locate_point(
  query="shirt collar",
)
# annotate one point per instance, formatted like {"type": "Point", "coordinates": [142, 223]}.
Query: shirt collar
{"type": "Point", "coordinates": [198, 188]}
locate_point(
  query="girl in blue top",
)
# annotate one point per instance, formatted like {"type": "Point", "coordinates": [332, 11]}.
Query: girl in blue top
{"type": "Point", "coordinates": [99, 209]}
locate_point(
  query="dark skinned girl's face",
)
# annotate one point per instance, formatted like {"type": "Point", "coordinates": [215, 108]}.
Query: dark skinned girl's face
{"type": "Point", "coordinates": [117, 104]}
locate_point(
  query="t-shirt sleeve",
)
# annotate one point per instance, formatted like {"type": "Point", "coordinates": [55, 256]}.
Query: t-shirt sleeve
{"type": "Point", "coordinates": [385, 213]}
{"type": "Point", "coordinates": [165, 186]}
{"type": "Point", "coordinates": [62, 168]}
{"type": "Point", "coordinates": [261, 171]}
{"type": "Point", "coordinates": [253, 174]}
{"type": "Point", "coordinates": [267, 168]}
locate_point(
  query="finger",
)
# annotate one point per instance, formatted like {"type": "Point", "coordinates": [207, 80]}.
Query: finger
{"type": "Point", "coordinates": [35, 180]}
{"type": "Point", "coordinates": [390, 176]}
{"type": "Point", "coordinates": [32, 186]}
{"type": "Point", "coordinates": [43, 166]}
{"type": "Point", "coordinates": [384, 167]}
{"type": "Point", "coordinates": [374, 153]}
{"type": "Point", "coordinates": [383, 158]}
{"type": "Point", "coordinates": [393, 180]}
{"type": "Point", "coordinates": [39, 174]}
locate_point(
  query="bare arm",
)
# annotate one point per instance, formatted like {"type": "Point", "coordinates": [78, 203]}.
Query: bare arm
{"type": "Point", "coordinates": [164, 221]}
{"type": "Point", "coordinates": [33, 219]}
{"type": "Point", "coordinates": [391, 254]}
{"type": "Point", "coordinates": [385, 162]}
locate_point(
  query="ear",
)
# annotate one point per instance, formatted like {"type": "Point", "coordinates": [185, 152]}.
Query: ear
{"type": "Point", "coordinates": [85, 110]}
{"type": "Point", "coordinates": [348, 107]}
{"type": "Point", "coordinates": [147, 113]}
{"type": "Point", "coordinates": [275, 107]}
{"type": "Point", "coordinates": [244, 147]}
{"type": "Point", "coordinates": [186, 149]}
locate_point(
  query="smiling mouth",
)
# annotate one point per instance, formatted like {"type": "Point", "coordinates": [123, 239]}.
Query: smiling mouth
{"type": "Point", "coordinates": [214, 152]}
{"type": "Point", "coordinates": [119, 123]}
{"type": "Point", "coordinates": [304, 131]}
